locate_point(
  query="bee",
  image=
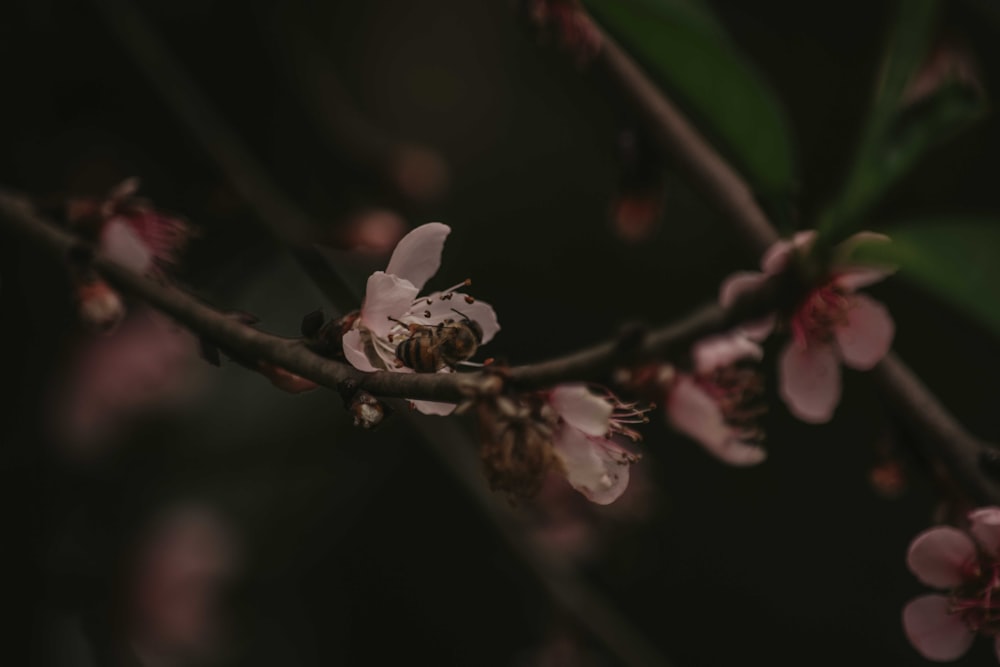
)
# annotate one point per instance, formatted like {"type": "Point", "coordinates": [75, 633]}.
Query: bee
{"type": "Point", "coordinates": [432, 347]}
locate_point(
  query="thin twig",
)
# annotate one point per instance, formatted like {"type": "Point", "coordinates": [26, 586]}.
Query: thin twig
{"type": "Point", "coordinates": [935, 427]}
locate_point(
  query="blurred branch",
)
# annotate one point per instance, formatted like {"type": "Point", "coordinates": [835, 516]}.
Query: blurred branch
{"type": "Point", "coordinates": [935, 427]}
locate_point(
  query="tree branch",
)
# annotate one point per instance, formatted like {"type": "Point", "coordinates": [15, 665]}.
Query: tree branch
{"type": "Point", "coordinates": [292, 354]}
{"type": "Point", "coordinates": [936, 428]}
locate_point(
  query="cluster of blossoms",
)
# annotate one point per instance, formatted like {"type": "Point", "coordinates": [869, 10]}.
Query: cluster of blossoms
{"type": "Point", "coordinates": [966, 564]}
{"type": "Point", "coordinates": [128, 230]}
{"type": "Point", "coordinates": [717, 401]}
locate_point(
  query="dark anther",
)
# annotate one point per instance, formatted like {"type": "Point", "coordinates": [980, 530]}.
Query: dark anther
{"type": "Point", "coordinates": [312, 323]}
{"type": "Point", "coordinates": [989, 460]}
{"type": "Point", "coordinates": [347, 389]}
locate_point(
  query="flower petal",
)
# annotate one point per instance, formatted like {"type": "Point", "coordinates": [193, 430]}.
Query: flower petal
{"type": "Point", "coordinates": [741, 283]}
{"type": "Point", "coordinates": [445, 309]}
{"type": "Point", "coordinates": [738, 284]}
{"type": "Point", "coordinates": [776, 258]}
{"type": "Point", "coordinates": [867, 334]}
{"type": "Point", "coordinates": [938, 556]}
{"type": "Point", "coordinates": [936, 634]}
{"type": "Point", "coordinates": [723, 350]}
{"type": "Point", "coordinates": [581, 408]}
{"type": "Point", "coordinates": [855, 278]}
{"type": "Point", "coordinates": [595, 467]}
{"type": "Point", "coordinates": [354, 351]}
{"type": "Point", "coordinates": [121, 244]}
{"type": "Point", "coordinates": [694, 413]}
{"type": "Point", "coordinates": [434, 407]}
{"type": "Point", "coordinates": [809, 381]}
{"type": "Point", "coordinates": [386, 296]}
{"type": "Point", "coordinates": [986, 528]}
{"type": "Point", "coordinates": [417, 256]}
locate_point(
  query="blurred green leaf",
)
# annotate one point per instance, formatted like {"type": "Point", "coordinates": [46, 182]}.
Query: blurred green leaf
{"type": "Point", "coordinates": [688, 51]}
{"type": "Point", "coordinates": [896, 136]}
{"type": "Point", "coordinates": [956, 260]}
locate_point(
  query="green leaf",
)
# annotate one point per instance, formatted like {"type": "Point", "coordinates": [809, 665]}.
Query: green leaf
{"type": "Point", "coordinates": [688, 52]}
{"type": "Point", "coordinates": [956, 260]}
{"type": "Point", "coordinates": [896, 136]}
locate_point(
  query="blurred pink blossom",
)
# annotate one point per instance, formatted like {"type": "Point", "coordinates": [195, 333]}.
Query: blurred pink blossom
{"type": "Point", "coordinates": [147, 363]}
{"type": "Point", "coordinates": [719, 402]}
{"type": "Point", "coordinates": [829, 325]}
{"type": "Point", "coordinates": [967, 565]}
{"type": "Point", "coordinates": [187, 557]}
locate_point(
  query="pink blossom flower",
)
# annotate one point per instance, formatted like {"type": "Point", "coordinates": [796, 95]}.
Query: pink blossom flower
{"type": "Point", "coordinates": [830, 324]}
{"type": "Point", "coordinates": [584, 440]}
{"type": "Point", "coordinates": [129, 230]}
{"type": "Point", "coordinates": [718, 403]}
{"type": "Point", "coordinates": [967, 565]}
{"type": "Point", "coordinates": [392, 305]}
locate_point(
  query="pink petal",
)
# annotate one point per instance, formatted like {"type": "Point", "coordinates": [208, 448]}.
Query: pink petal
{"type": "Point", "coordinates": [809, 381]}
{"type": "Point", "coordinates": [354, 351]}
{"type": "Point", "coordinates": [386, 296]}
{"type": "Point", "coordinates": [855, 278]}
{"type": "Point", "coordinates": [595, 467]}
{"type": "Point", "coordinates": [723, 350]}
{"type": "Point", "coordinates": [694, 413]}
{"type": "Point", "coordinates": [121, 244]}
{"type": "Point", "coordinates": [434, 408]}
{"type": "Point", "coordinates": [479, 311]}
{"type": "Point", "coordinates": [581, 409]}
{"type": "Point", "coordinates": [867, 334]}
{"type": "Point", "coordinates": [986, 528]}
{"type": "Point", "coordinates": [938, 556]}
{"type": "Point", "coordinates": [776, 258]}
{"type": "Point", "coordinates": [936, 634]}
{"type": "Point", "coordinates": [738, 284]}
{"type": "Point", "coordinates": [418, 254]}
{"type": "Point", "coordinates": [741, 283]}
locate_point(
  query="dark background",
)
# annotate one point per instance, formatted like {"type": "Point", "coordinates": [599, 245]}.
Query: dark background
{"type": "Point", "coordinates": [360, 548]}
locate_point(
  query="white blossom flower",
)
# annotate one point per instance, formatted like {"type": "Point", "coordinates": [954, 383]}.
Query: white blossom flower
{"type": "Point", "coordinates": [392, 306]}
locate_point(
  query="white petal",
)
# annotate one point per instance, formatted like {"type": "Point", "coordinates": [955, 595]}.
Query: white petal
{"type": "Point", "coordinates": [694, 413]}
{"type": "Point", "coordinates": [418, 254]}
{"type": "Point", "coordinates": [121, 244]}
{"type": "Point", "coordinates": [809, 381]}
{"type": "Point", "coordinates": [386, 296]}
{"type": "Point", "coordinates": [936, 634]}
{"type": "Point", "coordinates": [434, 408]}
{"type": "Point", "coordinates": [595, 467]}
{"type": "Point", "coordinates": [867, 334]}
{"type": "Point", "coordinates": [581, 408]}
{"type": "Point", "coordinates": [354, 351]}
{"type": "Point", "coordinates": [723, 350]}
{"type": "Point", "coordinates": [445, 309]}
{"type": "Point", "coordinates": [986, 528]}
